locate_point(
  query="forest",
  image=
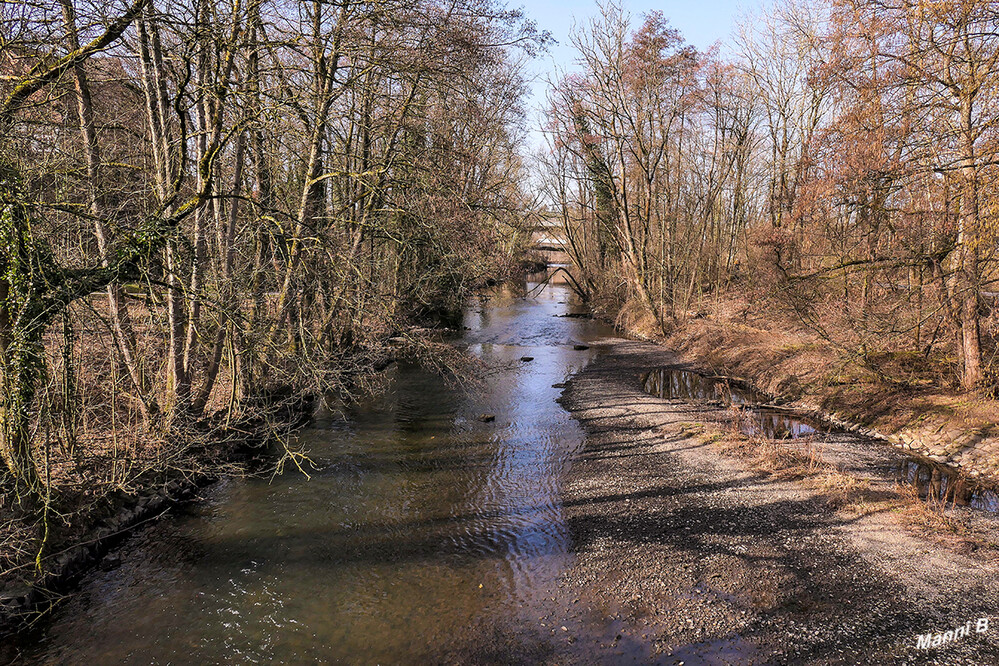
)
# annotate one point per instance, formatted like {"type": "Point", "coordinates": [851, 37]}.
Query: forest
{"type": "Point", "coordinates": [212, 209]}
{"type": "Point", "coordinates": [212, 213]}
{"type": "Point", "coordinates": [835, 165]}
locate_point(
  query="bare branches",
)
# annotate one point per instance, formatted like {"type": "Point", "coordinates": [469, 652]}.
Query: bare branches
{"type": "Point", "coordinates": [211, 212]}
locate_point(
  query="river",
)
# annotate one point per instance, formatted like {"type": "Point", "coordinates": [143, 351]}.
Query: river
{"type": "Point", "coordinates": [423, 534]}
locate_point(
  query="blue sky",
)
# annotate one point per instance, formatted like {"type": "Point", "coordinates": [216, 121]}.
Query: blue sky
{"type": "Point", "coordinates": [702, 23]}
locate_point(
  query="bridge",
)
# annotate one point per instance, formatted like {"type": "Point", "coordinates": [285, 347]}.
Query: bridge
{"type": "Point", "coordinates": [549, 239]}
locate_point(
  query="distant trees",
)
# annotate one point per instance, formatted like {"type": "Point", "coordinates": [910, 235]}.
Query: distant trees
{"type": "Point", "coordinates": [203, 203]}
{"type": "Point", "coordinates": [617, 133]}
{"type": "Point", "coordinates": [842, 159]}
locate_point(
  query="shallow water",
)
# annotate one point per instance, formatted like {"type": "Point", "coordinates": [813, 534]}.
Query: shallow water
{"type": "Point", "coordinates": [678, 384]}
{"type": "Point", "coordinates": [946, 485]}
{"type": "Point", "coordinates": [753, 418]}
{"type": "Point", "coordinates": [423, 534]}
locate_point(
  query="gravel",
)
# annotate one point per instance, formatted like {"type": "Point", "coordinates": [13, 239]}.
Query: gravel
{"type": "Point", "coordinates": [689, 556]}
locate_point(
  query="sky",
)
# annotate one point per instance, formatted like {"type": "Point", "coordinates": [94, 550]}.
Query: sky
{"type": "Point", "coordinates": [701, 22]}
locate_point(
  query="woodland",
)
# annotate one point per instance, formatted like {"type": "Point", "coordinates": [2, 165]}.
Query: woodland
{"type": "Point", "coordinates": [834, 166]}
{"type": "Point", "coordinates": [210, 210]}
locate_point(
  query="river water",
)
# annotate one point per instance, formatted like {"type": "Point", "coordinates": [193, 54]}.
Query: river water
{"type": "Point", "coordinates": [424, 533]}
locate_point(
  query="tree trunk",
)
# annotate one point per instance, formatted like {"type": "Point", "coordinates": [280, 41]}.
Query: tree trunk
{"type": "Point", "coordinates": [121, 321]}
{"type": "Point", "coordinates": [968, 240]}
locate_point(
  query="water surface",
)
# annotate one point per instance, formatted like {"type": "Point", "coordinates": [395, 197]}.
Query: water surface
{"type": "Point", "coordinates": [423, 534]}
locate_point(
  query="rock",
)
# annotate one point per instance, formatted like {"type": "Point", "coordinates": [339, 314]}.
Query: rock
{"type": "Point", "coordinates": [112, 561]}
{"type": "Point", "coordinates": [560, 385]}
{"type": "Point", "coordinates": [16, 597]}
{"type": "Point", "coordinates": [526, 359]}
{"type": "Point", "coordinates": [487, 418]}
{"type": "Point", "coordinates": [580, 347]}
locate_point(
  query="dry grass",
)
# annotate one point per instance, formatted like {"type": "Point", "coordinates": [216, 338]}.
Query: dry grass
{"type": "Point", "coordinates": [854, 496]}
{"type": "Point", "coordinates": [932, 519]}
{"type": "Point", "coordinates": [803, 461]}
{"type": "Point", "coordinates": [774, 457]}
{"type": "Point", "coordinates": [928, 514]}
{"type": "Point", "coordinates": [849, 493]}
{"type": "Point", "coordinates": [739, 336]}
{"type": "Point", "coordinates": [783, 458]}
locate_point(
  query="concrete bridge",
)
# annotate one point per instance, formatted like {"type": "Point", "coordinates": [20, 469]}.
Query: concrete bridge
{"type": "Point", "coordinates": [548, 238]}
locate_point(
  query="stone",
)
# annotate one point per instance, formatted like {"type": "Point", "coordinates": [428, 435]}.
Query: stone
{"type": "Point", "coordinates": [112, 561]}
{"type": "Point", "coordinates": [15, 597]}
{"type": "Point", "coordinates": [526, 359]}
{"type": "Point", "coordinates": [487, 418]}
{"type": "Point", "coordinates": [580, 347]}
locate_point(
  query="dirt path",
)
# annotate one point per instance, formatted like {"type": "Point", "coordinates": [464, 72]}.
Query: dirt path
{"type": "Point", "coordinates": [692, 557]}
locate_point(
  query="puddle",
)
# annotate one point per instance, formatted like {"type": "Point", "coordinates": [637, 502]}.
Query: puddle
{"type": "Point", "coordinates": [726, 651]}
{"type": "Point", "coordinates": [774, 424]}
{"type": "Point", "coordinates": [675, 384]}
{"type": "Point", "coordinates": [932, 480]}
{"type": "Point", "coordinates": [942, 483]}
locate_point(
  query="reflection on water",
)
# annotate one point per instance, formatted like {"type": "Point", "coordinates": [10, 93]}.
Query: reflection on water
{"type": "Point", "coordinates": [424, 533]}
{"type": "Point", "coordinates": [947, 485]}
{"type": "Point", "coordinates": [931, 480]}
{"type": "Point", "coordinates": [774, 424]}
{"type": "Point", "coordinates": [677, 384]}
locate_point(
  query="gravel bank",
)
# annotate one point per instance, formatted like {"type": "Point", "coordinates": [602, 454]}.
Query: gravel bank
{"type": "Point", "coordinates": [689, 556]}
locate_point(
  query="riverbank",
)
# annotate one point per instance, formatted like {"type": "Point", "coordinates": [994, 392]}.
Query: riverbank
{"type": "Point", "coordinates": [702, 555]}
{"type": "Point", "coordinates": [903, 399]}
{"type": "Point", "coordinates": [98, 521]}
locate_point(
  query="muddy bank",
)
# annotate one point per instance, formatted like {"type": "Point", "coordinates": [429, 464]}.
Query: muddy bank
{"type": "Point", "coordinates": [698, 557]}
